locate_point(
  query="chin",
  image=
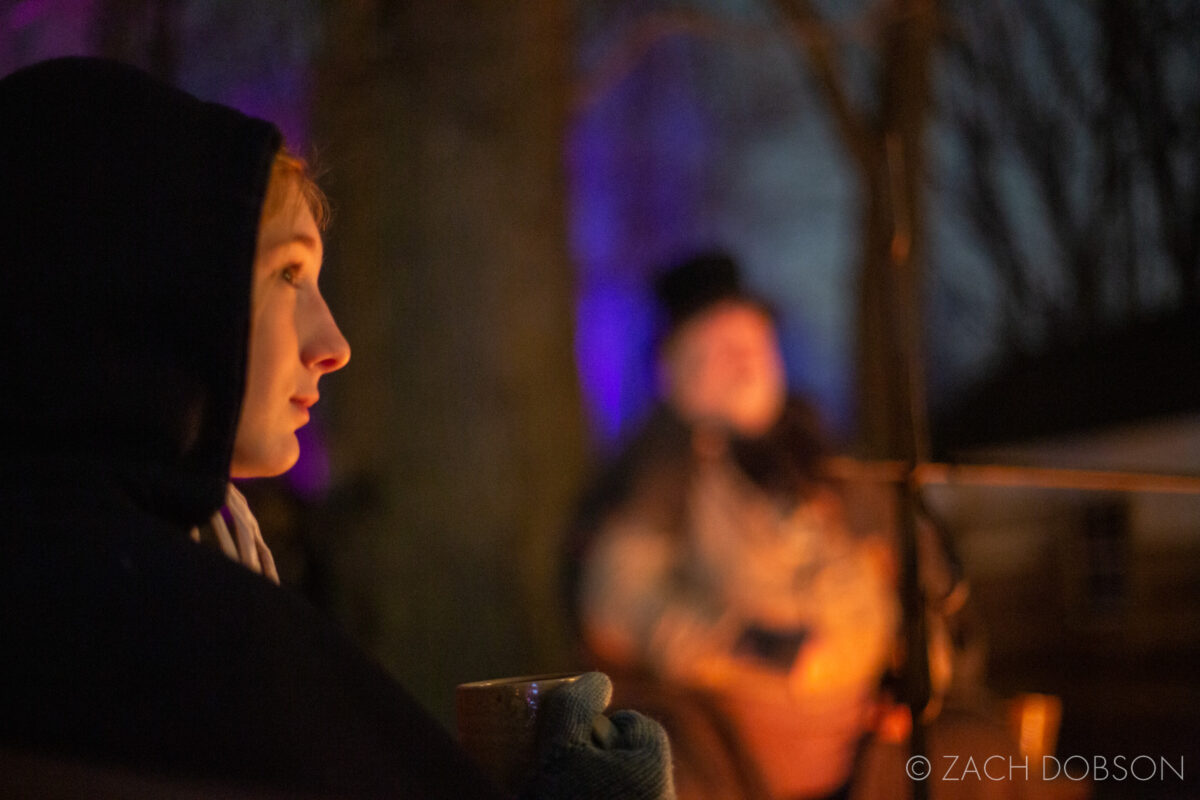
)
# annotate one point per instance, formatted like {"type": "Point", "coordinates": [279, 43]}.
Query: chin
{"type": "Point", "coordinates": [267, 463]}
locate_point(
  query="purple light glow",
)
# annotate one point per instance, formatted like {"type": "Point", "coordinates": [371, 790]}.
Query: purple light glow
{"type": "Point", "coordinates": [283, 101]}
{"type": "Point", "coordinates": [638, 202]}
{"type": "Point", "coordinates": [310, 477]}
{"type": "Point", "coordinates": [613, 339]}
{"type": "Point", "coordinates": [26, 13]}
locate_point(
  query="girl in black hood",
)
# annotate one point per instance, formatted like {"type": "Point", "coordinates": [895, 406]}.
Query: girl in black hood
{"type": "Point", "coordinates": [158, 289]}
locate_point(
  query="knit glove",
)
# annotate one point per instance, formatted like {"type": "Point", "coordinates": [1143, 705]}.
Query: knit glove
{"type": "Point", "coordinates": [584, 755]}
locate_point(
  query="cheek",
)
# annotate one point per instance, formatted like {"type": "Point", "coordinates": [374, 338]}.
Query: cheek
{"type": "Point", "coordinates": [264, 443]}
{"type": "Point", "coordinates": [273, 349]}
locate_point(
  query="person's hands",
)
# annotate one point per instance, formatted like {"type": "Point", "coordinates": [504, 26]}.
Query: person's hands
{"type": "Point", "coordinates": [584, 755]}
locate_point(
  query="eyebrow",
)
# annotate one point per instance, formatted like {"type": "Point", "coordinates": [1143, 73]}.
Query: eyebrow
{"type": "Point", "coordinates": [303, 238]}
{"type": "Point", "coordinates": [299, 238]}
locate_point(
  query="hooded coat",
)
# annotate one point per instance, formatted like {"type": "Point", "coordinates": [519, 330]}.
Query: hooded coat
{"type": "Point", "coordinates": [128, 219]}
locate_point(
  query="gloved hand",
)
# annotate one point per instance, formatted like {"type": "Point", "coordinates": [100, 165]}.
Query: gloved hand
{"type": "Point", "coordinates": [584, 755]}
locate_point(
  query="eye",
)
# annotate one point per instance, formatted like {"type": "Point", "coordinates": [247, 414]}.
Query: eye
{"type": "Point", "coordinates": [290, 273]}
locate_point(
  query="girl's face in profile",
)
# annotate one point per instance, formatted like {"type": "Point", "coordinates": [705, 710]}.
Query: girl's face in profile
{"type": "Point", "coordinates": [293, 339]}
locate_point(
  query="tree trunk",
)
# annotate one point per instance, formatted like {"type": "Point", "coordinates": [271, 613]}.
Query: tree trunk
{"type": "Point", "coordinates": [459, 423]}
{"type": "Point", "coordinates": [892, 412]}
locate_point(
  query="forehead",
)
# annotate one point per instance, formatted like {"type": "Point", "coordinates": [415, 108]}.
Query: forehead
{"type": "Point", "coordinates": [290, 223]}
{"type": "Point", "coordinates": [726, 321]}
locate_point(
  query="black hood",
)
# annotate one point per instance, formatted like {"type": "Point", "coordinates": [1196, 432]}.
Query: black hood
{"type": "Point", "coordinates": [128, 220]}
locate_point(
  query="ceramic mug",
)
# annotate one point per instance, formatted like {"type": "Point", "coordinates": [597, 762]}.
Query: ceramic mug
{"type": "Point", "coordinates": [498, 720]}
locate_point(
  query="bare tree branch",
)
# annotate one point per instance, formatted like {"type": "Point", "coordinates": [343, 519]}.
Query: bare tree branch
{"type": "Point", "coordinates": [811, 34]}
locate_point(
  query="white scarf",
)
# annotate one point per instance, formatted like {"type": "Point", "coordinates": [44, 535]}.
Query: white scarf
{"type": "Point", "coordinates": [250, 550]}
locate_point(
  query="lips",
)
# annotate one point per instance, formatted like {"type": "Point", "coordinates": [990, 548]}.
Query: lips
{"type": "Point", "coordinates": [302, 404]}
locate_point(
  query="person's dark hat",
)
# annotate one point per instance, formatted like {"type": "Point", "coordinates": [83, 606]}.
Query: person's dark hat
{"type": "Point", "coordinates": [698, 282]}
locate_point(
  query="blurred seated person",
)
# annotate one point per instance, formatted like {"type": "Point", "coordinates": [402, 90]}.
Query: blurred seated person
{"type": "Point", "coordinates": [712, 558]}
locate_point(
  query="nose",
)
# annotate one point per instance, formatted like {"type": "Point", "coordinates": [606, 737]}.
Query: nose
{"type": "Point", "coordinates": [325, 349]}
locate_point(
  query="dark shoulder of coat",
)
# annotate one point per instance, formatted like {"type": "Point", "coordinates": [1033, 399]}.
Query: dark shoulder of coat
{"type": "Point", "coordinates": [131, 647]}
